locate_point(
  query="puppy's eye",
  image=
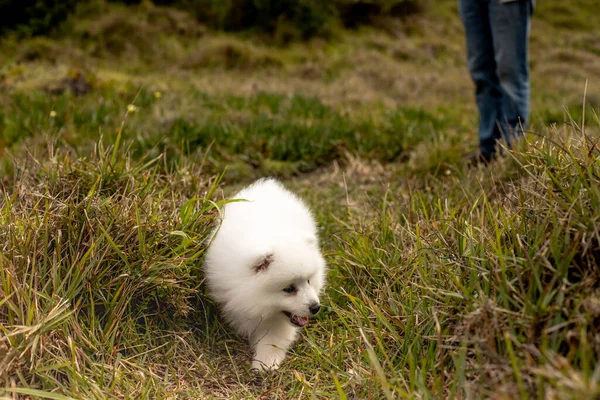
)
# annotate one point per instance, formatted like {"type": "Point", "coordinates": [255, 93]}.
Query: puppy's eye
{"type": "Point", "coordinates": [290, 289]}
{"type": "Point", "coordinates": [308, 281]}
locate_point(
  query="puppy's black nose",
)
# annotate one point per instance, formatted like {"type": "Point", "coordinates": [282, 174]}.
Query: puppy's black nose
{"type": "Point", "coordinates": [314, 308]}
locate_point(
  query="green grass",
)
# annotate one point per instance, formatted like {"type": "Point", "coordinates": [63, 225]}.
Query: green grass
{"type": "Point", "coordinates": [473, 283]}
{"type": "Point", "coordinates": [444, 282]}
{"type": "Point", "coordinates": [300, 132]}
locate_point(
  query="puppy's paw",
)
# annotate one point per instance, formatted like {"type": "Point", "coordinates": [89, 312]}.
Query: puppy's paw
{"type": "Point", "coordinates": [267, 358]}
{"type": "Point", "coordinates": [261, 366]}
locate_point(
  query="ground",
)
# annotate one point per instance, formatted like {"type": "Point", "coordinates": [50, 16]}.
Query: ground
{"type": "Point", "coordinates": [120, 140]}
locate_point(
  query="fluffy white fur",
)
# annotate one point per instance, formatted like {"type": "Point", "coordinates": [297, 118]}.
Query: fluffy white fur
{"type": "Point", "coordinates": [265, 269]}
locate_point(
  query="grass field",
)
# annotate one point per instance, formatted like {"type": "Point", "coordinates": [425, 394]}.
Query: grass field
{"type": "Point", "coordinates": [121, 137]}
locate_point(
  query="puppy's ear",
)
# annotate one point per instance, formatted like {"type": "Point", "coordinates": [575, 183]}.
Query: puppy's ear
{"type": "Point", "coordinates": [263, 262]}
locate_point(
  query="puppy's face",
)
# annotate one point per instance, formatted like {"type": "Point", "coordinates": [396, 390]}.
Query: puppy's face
{"type": "Point", "coordinates": [291, 282]}
{"type": "Point", "coordinates": [299, 300]}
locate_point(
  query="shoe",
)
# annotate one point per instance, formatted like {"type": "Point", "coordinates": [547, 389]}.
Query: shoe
{"type": "Point", "coordinates": [479, 158]}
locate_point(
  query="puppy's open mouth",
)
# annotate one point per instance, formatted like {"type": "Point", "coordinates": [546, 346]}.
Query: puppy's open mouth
{"type": "Point", "coordinates": [296, 320]}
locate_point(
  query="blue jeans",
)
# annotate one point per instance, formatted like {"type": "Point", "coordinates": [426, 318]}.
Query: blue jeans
{"type": "Point", "coordinates": [497, 39]}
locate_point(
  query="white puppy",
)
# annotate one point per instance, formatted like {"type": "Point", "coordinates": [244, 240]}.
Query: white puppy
{"type": "Point", "coordinates": [265, 269]}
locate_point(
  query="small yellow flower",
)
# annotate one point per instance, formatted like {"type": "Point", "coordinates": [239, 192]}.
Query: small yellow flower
{"type": "Point", "coordinates": [131, 108]}
{"type": "Point", "coordinates": [52, 114]}
{"type": "Point", "coordinates": [157, 94]}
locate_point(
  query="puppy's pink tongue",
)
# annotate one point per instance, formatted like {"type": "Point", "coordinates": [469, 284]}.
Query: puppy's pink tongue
{"type": "Point", "coordinates": [301, 320]}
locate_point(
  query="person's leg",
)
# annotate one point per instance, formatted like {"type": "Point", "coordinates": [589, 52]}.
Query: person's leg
{"type": "Point", "coordinates": [482, 67]}
{"type": "Point", "coordinates": [510, 24]}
